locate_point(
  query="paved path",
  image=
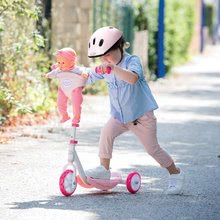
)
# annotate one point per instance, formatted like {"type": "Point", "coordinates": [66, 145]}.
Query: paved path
{"type": "Point", "coordinates": [188, 127]}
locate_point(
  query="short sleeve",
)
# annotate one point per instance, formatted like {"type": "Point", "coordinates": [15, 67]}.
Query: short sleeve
{"type": "Point", "coordinates": [134, 65]}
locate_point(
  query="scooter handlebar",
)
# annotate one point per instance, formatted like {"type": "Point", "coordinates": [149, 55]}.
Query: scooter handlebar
{"type": "Point", "coordinates": [107, 71]}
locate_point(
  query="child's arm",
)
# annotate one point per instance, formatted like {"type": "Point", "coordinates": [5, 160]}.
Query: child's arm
{"type": "Point", "coordinates": [123, 74]}
{"type": "Point", "coordinates": [82, 71]}
{"type": "Point", "coordinates": [90, 75]}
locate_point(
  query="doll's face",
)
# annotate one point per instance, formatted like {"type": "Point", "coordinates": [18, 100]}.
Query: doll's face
{"type": "Point", "coordinates": [64, 63]}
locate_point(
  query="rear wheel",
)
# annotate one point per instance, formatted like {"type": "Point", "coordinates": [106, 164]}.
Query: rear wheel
{"type": "Point", "coordinates": [133, 182]}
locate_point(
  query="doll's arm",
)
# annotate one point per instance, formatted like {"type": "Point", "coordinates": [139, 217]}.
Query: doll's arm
{"type": "Point", "coordinates": [85, 75]}
{"type": "Point", "coordinates": [52, 74]}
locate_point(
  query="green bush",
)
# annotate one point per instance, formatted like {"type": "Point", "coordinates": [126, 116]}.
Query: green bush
{"type": "Point", "coordinates": [152, 14]}
{"type": "Point", "coordinates": [179, 26]}
{"type": "Point", "coordinates": [22, 63]}
{"type": "Point", "coordinates": [179, 23]}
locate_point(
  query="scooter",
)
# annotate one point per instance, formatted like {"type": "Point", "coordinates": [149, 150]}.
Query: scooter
{"type": "Point", "coordinates": [69, 178]}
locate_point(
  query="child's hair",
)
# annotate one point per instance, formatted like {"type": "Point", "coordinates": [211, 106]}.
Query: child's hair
{"type": "Point", "coordinates": [121, 44]}
{"type": "Point", "coordinates": [66, 52]}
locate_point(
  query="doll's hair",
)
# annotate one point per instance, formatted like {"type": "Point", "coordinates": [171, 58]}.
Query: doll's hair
{"type": "Point", "coordinates": [66, 52]}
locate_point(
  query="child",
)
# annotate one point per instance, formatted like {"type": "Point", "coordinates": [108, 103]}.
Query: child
{"type": "Point", "coordinates": [71, 83]}
{"type": "Point", "coordinates": [131, 101]}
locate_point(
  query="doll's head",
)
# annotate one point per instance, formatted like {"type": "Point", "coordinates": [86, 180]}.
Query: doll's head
{"type": "Point", "coordinates": [66, 58]}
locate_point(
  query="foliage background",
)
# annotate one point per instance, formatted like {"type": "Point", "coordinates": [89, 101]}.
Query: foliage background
{"type": "Point", "coordinates": [25, 56]}
{"type": "Point", "coordinates": [132, 16]}
{"type": "Point", "coordinates": [23, 62]}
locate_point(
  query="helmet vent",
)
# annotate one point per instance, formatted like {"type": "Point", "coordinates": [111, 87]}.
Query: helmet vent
{"type": "Point", "coordinates": [93, 41]}
{"type": "Point", "coordinates": [101, 42]}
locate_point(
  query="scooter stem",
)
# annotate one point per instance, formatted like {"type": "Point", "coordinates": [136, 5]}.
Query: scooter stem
{"type": "Point", "coordinates": [73, 157]}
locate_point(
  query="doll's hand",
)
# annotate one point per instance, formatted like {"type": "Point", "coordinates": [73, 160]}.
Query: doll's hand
{"type": "Point", "coordinates": [54, 66]}
{"type": "Point", "coordinates": [85, 75]}
{"type": "Point", "coordinates": [46, 76]}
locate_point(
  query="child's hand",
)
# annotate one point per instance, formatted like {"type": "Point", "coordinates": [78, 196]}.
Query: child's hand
{"type": "Point", "coordinates": [85, 75]}
{"type": "Point", "coordinates": [46, 76]}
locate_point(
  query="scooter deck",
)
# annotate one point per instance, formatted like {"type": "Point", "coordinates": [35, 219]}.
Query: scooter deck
{"type": "Point", "coordinates": [104, 184]}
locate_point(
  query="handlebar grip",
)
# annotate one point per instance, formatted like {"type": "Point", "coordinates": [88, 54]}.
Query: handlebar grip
{"type": "Point", "coordinates": [107, 71]}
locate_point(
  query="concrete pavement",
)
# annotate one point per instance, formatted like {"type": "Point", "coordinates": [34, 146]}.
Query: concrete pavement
{"type": "Point", "coordinates": [188, 128]}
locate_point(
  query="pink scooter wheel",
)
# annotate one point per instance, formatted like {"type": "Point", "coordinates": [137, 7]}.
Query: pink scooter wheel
{"type": "Point", "coordinates": [133, 182]}
{"type": "Point", "coordinates": [68, 183]}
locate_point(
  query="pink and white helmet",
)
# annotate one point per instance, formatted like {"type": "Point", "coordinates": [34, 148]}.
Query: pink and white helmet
{"type": "Point", "coordinates": [102, 41]}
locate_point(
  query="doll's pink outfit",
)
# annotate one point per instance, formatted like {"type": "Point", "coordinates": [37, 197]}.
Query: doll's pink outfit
{"type": "Point", "coordinates": [70, 87]}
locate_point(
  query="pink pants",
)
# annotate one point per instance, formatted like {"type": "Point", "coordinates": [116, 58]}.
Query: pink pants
{"type": "Point", "coordinates": [145, 130]}
{"type": "Point", "coordinates": [76, 99]}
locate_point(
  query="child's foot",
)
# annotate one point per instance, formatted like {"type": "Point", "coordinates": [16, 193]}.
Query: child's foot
{"type": "Point", "coordinates": [175, 184]}
{"type": "Point", "coordinates": [64, 118]}
{"type": "Point", "coordinates": [99, 173]}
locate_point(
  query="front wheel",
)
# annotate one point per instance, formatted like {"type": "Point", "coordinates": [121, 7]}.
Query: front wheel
{"type": "Point", "coordinates": [68, 182]}
{"type": "Point", "coordinates": [133, 182]}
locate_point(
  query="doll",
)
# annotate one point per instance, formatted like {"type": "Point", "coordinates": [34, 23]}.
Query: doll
{"type": "Point", "coordinates": [71, 82]}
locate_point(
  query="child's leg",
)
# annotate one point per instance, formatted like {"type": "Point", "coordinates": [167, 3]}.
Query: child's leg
{"type": "Point", "coordinates": [146, 131]}
{"type": "Point", "coordinates": [62, 105]}
{"type": "Point", "coordinates": [77, 99]}
{"type": "Point", "coordinates": [109, 132]}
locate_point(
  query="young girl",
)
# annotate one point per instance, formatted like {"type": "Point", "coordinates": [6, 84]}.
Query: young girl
{"type": "Point", "coordinates": [131, 101]}
{"type": "Point", "coordinates": [71, 83]}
